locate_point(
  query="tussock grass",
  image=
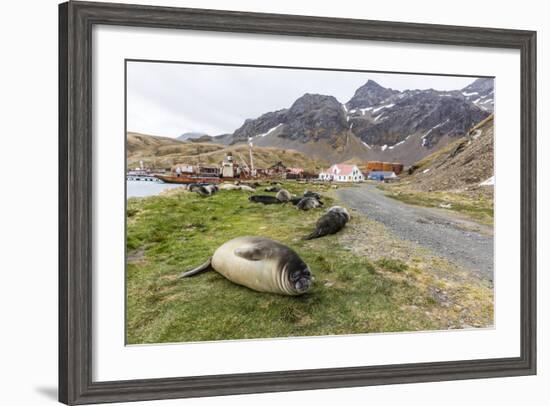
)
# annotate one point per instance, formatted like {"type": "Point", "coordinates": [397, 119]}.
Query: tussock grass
{"type": "Point", "coordinates": [171, 233]}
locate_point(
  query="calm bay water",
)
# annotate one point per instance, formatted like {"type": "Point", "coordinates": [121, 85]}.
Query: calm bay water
{"type": "Point", "coordinates": [143, 189]}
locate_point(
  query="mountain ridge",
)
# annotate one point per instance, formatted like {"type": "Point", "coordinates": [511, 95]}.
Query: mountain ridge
{"type": "Point", "coordinates": [381, 123]}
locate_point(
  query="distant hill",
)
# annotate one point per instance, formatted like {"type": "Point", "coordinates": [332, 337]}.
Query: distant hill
{"type": "Point", "coordinates": [465, 163]}
{"type": "Point", "coordinates": [162, 152]}
{"type": "Point", "coordinates": [191, 135]}
{"type": "Point", "coordinates": [377, 123]}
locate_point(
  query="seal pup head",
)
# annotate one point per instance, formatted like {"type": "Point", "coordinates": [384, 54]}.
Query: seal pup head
{"type": "Point", "coordinates": [340, 210]}
{"type": "Point", "coordinates": [300, 280]}
{"type": "Point", "coordinates": [298, 275]}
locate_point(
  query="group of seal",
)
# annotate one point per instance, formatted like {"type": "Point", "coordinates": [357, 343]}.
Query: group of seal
{"type": "Point", "coordinates": [204, 190]}
{"type": "Point", "coordinates": [233, 186]}
{"type": "Point", "coordinates": [310, 200]}
{"type": "Point", "coordinates": [260, 264]}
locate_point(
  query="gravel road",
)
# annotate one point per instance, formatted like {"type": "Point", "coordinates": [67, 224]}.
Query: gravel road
{"type": "Point", "coordinates": [443, 232]}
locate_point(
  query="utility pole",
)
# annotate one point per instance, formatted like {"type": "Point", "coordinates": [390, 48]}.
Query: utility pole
{"type": "Point", "coordinates": [252, 170]}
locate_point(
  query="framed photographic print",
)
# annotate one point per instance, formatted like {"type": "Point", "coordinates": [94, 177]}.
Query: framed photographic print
{"type": "Point", "coordinates": [260, 202]}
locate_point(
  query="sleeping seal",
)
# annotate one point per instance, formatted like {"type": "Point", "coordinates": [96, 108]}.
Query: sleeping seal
{"type": "Point", "coordinates": [283, 196]}
{"type": "Point", "coordinates": [264, 199]}
{"type": "Point", "coordinates": [229, 186]}
{"type": "Point", "coordinates": [207, 190]}
{"type": "Point", "coordinates": [260, 264]}
{"type": "Point", "coordinates": [307, 203]}
{"type": "Point", "coordinates": [247, 188]}
{"type": "Point", "coordinates": [330, 223]}
{"type": "Point", "coordinates": [309, 193]}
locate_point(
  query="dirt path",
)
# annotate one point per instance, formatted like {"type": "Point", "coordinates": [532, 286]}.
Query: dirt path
{"type": "Point", "coordinates": [459, 240]}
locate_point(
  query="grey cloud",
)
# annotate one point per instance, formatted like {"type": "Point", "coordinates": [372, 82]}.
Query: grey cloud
{"type": "Point", "coordinates": [172, 98]}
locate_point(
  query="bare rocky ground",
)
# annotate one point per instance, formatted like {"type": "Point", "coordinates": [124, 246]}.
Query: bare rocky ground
{"type": "Point", "coordinates": [435, 265]}
{"type": "Point", "coordinates": [447, 235]}
{"type": "Point", "coordinates": [459, 167]}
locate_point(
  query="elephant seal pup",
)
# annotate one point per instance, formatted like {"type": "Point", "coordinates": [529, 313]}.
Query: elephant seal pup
{"type": "Point", "coordinates": [296, 200]}
{"type": "Point", "coordinates": [283, 196]}
{"type": "Point", "coordinates": [229, 186]}
{"type": "Point", "coordinates": [272, 189]}
{"type": "Point", "coordinates": [330, 223]}
{"type": "Point", "coordinates": [207, 190]}
{"type": "Point", "coordinates": [246, 188]}
{"type": "Point", "coordinates": [316, 195]}
{"type": "Point", "coordinates": [264, 199]}
{"type": "Point", "coordinates": [260, 264]}
{"type": "Point", "coordinates": [307, 203]}
{"type": "Point", "coordinates": [193, 187]}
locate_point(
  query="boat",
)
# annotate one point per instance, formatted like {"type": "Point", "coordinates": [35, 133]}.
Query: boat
{"type": "Point", "coordinates": [141, 176]}
{"type": "Point", "coordinates": [184, 179]}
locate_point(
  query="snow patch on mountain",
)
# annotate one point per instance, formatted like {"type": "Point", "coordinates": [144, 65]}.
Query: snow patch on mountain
{"type": "Point", "coordinates": [488, 182]}
{"type": "Point", "coordinates": [433, 128]}
{"type": "Point", "coordinates": [269, 131]}
{"type": "Point", "coordinates": [387, 106]}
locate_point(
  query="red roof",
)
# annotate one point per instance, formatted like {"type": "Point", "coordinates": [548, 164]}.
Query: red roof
{"type": "Point", "coordinates": [345, 169]}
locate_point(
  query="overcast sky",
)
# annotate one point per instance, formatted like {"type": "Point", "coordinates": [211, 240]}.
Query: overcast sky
{"type": "Point", "coordinates": [170, 99]}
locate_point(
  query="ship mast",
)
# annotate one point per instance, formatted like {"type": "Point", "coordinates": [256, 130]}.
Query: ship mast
{"type": "Point", "coordinates": [252, 170]}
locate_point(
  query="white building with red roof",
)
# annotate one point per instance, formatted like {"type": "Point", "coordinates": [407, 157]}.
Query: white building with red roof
{"type": "Point", "coordinates": [342, 173]}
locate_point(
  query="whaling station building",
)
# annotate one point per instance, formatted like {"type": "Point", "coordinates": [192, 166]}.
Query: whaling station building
{"type": "Point", "coordinates": [373, 170]}
{"type": "Point", "coordinates": [342, 173]}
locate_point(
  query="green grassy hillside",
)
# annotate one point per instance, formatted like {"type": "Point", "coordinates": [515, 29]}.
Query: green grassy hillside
{"type": "Point", "coordinates": [352, 293]}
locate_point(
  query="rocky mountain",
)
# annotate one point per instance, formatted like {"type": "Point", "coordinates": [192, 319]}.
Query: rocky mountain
{"type": "Point", "coordinates": [312, 117]}
{"type": "Point", "coordinates": [481, 93]}
{"type": "Point", "coordinates": [259, 127]}
{"type": "Point", "coordinates": [370, 94]}
{"type": "Point", "coordinates": [466, 164]}
{"type": "Point", "coordinates": [377, 123]}
{"type": "Point", "coordinates": [430, 113]}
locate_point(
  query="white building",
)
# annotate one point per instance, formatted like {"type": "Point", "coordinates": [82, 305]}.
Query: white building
{"type": "Point", "coordinates": [342, 173]}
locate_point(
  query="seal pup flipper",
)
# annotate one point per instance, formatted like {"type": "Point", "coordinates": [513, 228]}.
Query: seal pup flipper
{"type": "Point", "coordinates": [201, 268]}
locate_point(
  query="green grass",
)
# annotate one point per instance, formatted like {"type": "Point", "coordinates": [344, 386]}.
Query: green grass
{"type": "Point", "coordinates": [477, 207]}
{"type": "Point", "coordinates": [171, 233]}
{"type": "Point", "coordinates": [392, 265]}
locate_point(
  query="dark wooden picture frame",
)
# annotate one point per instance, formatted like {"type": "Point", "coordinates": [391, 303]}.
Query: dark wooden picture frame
{"type": "Point", "coordinates": [76, 20]}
